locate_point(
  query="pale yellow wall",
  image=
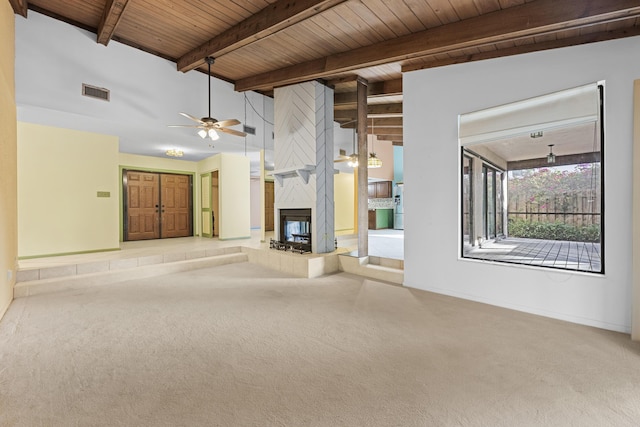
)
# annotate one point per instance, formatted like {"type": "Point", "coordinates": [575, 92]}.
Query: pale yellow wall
{"type": "Point", "coordinates": [8, 172]}
{"type": "Point", "coordinates": [235, 197]}
{"type": "Point", "coordinates": [234, 218]}
{"type": "Point", "coordinates": [60, 172]}
{"type": "Point", "coordinates": [256, 203]}
{"type": "Point", "coordinates": [343, 195]}
{"type": "Point", "coordinates": [157, 163]}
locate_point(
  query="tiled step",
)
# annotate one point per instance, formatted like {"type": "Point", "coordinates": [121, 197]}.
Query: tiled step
{"type": "Point", "coordinates": [54, 279]}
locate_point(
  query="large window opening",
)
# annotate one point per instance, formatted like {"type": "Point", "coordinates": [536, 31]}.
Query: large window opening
{"type": "Point", "coordinates": [531, 181]}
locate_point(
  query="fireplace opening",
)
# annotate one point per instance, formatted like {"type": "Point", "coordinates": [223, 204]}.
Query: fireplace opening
{"type": "Point", "coordinates": [295, 228]}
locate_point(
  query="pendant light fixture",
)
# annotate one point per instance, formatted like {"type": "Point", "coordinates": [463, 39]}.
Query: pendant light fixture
{"type": "Point", "coordinates": [373, 161]}
{"type": "Point", "coordinates": [353, 161]}
{"type": "Point", "coordinates": [551, 158]}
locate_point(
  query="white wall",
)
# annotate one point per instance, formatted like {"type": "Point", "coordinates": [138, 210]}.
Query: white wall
{"type": "Point", "coordinates": [432, 102]}
{"type": "Point", "coordinates": [53, 59]}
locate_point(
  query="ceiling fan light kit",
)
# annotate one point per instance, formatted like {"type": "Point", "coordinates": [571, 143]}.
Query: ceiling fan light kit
{"type": "Point", "coordinates": [209, 127]}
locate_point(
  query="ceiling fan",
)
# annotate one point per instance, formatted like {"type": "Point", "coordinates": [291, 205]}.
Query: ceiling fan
{"type": "Point", "coordinates": [209, 126]}
{"type": "Point", "coordinates": [351, 158]}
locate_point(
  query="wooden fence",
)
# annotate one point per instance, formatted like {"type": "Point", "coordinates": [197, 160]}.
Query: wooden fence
{"type": "Point", "coordinates": [577, 209]}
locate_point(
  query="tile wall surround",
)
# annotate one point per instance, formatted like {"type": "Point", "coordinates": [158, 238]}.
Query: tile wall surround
{"type": "Point", "coordinates": [380, 204]}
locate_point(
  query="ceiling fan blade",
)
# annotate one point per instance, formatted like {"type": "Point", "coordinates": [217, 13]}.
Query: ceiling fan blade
{"type": "Point", "coordinates": [185, 126]}
{"type": "Point", "coordinates": [342, 160]}
{"type": "Point", "coordinates": [232, 132]}
{"type": "Point", "coordinates": [189, 116]}
{"type": "Point", "coordinates": [227, 123]}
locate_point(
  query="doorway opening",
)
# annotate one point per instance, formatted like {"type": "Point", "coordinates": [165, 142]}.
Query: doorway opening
{"type": "Point", "coordinates": [156, 205]}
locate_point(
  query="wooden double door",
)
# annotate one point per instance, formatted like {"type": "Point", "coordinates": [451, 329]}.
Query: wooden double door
{"type": "Point", "coordinates": [157, 205]}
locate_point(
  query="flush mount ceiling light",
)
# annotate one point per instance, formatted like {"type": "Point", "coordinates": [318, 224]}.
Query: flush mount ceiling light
{"type": "Point", "coordinates": [209, 126]}
{"type": "Point", "coordinates": [551, 158]}
{"type": "Point", "coordinates": [174, 153]}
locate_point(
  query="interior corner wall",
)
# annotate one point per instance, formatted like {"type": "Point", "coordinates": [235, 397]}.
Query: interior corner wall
{"type": "Point", "coordinates": [235, 197]}
{"type": "Point", "coordinates": [8, 156]}
{"type": "Point", "coordinates": [433, 100]}
{"type": "Point", "coordinates": [234, 177]}
{"type": "Point", "coordinates": [344, 197]}
{"type": "Point", "coordinates": [256, 212]}
{"type": "Point", "coordinates": [60, 172]}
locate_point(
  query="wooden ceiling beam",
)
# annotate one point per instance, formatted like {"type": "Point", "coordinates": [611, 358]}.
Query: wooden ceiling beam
{"type": "Point", "coordinates": [534, 18]}
{"type": "Point", "coordinates": [534, 47]}
{"type": "Point", "coordinates": [397, 131]}
{"type": "Point", "coordinates": [376, 89]}
{"type": "Point", "coordinates": [273, 18]}
{"type": "Point", "coordinates": [386, 110]}
{"type": "Point", "coordinates": [393, 138]}
{"type": "Point", "coordinates": [111, 16]}
{"type": "Point", "coordinates": [376, 124]}
{"type": "Point", "coordinates": [20, 7]}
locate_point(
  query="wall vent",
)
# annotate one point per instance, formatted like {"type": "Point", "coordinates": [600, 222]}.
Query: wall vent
{"type": "Point", "coordinates": [95, 92]}
{"type": "Point", "coordinates": [249, 129]}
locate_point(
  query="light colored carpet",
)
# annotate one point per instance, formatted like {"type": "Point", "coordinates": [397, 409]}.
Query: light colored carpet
{"type": "Point", "coordinates": [241, 345]}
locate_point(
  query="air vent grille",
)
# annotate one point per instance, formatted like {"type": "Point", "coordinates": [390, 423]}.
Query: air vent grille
{"type": "Point", "coordinates": [95, 92]}
{"type": "Point", "coordinates": [249, 129]}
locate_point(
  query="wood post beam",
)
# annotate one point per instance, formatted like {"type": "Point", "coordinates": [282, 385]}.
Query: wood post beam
{"type": "Point", "coordinates": [536, 18]}
{"type": "Point", "coordinates": [111, 16]}
{"type": "Point", "coordinates": [363, 174]}
{"type": "Point", "coordinates": [20, 7]}
{"type": "Point", "coordinates": [273, 18]}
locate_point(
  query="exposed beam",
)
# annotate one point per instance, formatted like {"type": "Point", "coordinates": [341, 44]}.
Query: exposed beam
{"type": "Point", "coordinates": [534, 18]}
{"type": "Point", "coordinates": [20, 7]}
{"type": "Point", "coordinates": [386, 110]}
{"type": "Point", "coordinates": [378, 123]}
{"type": "Point", "coordinates": [534, 47]}
{"type": "Point", "coordinates": [273, 18]}
{"type": "Point", "coordinates": [111, 15]}
{"type": "Point", "coordinates": [385, 131]}
{"type": "Point", "coordinates": [394, 138]}
{"type": "Point", "coordinates": [383, 88]}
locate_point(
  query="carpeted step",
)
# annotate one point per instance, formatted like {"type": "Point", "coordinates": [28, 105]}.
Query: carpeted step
{"type": "Point", "coordinates": [72, 281]}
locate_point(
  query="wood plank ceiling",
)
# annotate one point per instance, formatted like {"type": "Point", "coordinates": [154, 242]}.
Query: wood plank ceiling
{"type": "Point", "coordinates": [262, 44]}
